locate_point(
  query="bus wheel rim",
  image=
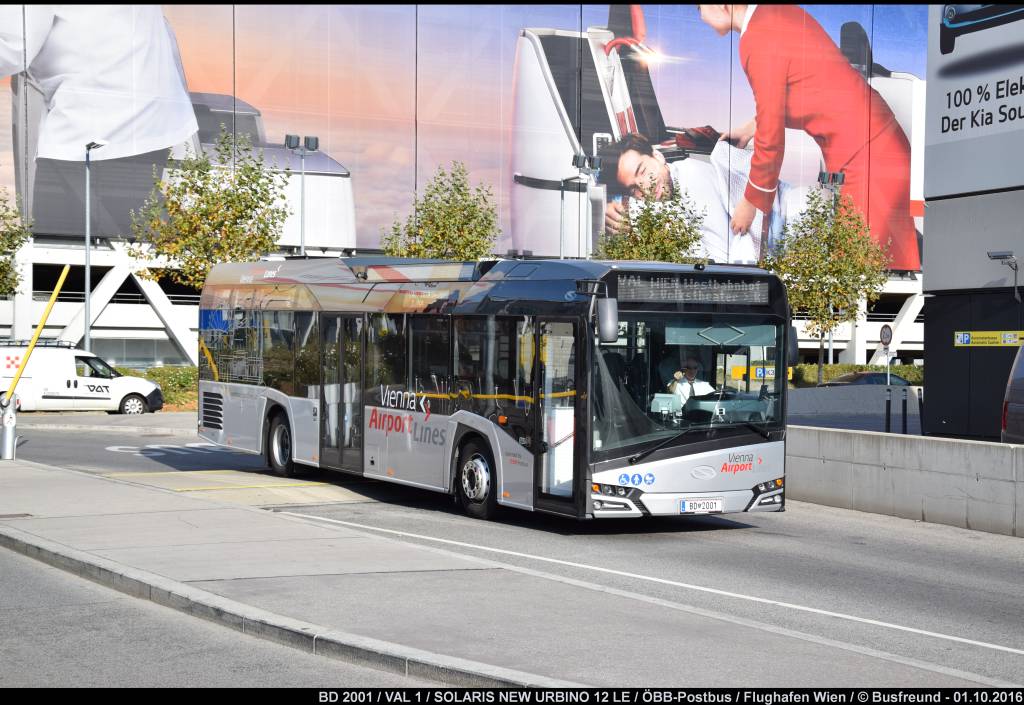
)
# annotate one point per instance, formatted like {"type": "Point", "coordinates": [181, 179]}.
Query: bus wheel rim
{"type": "Point", "coordinates": [282, 446]}
{"type": "Point", "coordinates": [476, 479]}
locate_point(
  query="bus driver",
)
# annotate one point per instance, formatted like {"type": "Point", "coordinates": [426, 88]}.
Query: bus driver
{"type": "Point", "coordinates": [686, 384]}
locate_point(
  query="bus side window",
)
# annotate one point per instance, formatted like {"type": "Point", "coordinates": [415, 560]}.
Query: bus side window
{"type": "Point", "coordinates": [485, 363]}
{"type": "Point", "coordinates": [430, 344]}
{"type": "Point", "coordinates": [386, 346]}
{"type": "Point", "coordinates": [279, 351]}
{"type": "Point", "coordinates": [307, 355]}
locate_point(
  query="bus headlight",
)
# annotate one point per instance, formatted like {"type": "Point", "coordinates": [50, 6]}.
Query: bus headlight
{"type": "Point", "coordinates": [770, 486]}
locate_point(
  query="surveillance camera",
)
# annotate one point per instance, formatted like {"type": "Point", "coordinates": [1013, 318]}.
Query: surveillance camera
{"type": "Point", "coordinates": [1000, 255]}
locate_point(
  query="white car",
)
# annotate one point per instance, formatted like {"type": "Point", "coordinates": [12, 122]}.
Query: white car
{"type": "Point", "coordinates": [63, 378]}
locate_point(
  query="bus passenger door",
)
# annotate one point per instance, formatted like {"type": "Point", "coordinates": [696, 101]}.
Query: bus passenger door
{"type": "Point", "coordinates": [341, 420]}
{"type": "Point", "coordinates": [555, 475]}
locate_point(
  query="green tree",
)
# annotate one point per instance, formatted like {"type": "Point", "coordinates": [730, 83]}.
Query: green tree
{"type": "Point", "coordinates": [660, 231]}
{"type": "Point", "coordinates": [228, 209]}
{"type": "Point", "coordinates": [829, 263]}
{"type": "Point", "coordinates": [452, 220]}
{"type": "Point", "coordinates": [14, 231]}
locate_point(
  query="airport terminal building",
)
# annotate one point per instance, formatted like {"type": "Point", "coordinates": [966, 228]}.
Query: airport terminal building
{"type": "Point", "coordinates": [974, 188]}
{"type": "Point", "coordinates": [524, 95]}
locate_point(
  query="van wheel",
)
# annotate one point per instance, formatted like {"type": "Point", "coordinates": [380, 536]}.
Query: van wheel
{"type": "Point", "coordinates": [475, 482]}
{"type": "Point", "coordinates": [133, 404]}
{"type": "Point", "coordinates": [279, 447]}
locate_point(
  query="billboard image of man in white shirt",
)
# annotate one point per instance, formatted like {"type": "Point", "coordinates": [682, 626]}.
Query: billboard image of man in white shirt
{"type": "Point", "coordinates": [87, 73]}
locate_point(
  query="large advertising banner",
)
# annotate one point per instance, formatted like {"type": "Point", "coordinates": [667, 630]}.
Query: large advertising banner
{"type": "Point", "coordinates": [741, 107]}
{"type": "Point", "coordinates": [975, 99]}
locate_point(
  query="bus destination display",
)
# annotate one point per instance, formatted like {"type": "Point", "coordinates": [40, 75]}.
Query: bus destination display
{"type": "Point", "coordinates": [687, 288]}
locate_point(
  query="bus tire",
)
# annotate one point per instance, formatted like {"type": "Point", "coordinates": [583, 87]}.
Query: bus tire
{"type": "Point", "coordinates": [280, 445]}
{"type": "Point", "coordinates": [476, 482]}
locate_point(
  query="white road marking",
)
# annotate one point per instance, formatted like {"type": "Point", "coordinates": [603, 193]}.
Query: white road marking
{"type": "Point", "coordinates": [674, 583]}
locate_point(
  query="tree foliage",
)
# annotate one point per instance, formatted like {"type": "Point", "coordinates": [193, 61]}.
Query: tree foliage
{"type": "Point", "coordinates": [452, 220]}
{"type": "Point", "coordinates": [228, 209]}
{"type": "Point", "coordinates": [14, 231]}
{"type": "Point", "coordinates": [660, 231]}
{"type": "Point", "coordinates": [829, 263]}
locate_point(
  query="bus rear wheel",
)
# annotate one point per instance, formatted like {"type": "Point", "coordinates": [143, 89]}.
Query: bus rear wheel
{"type": "Point", "coordinates": [476, 483]}
{"type": "Point", "coordinates": [279, 446]}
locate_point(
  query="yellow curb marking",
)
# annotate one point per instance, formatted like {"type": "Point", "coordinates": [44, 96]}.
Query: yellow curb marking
{"type": "Point", "coordinates": [249, 487]}
{"type": "Point", "coordinates": [173, 472]}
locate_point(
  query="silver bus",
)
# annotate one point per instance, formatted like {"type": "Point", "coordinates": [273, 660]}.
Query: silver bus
{"type": "Point", "coordinates": [584, 388]}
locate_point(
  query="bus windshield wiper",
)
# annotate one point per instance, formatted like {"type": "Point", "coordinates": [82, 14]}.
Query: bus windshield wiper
{"type": "Point", "coordinates": [634, 459]}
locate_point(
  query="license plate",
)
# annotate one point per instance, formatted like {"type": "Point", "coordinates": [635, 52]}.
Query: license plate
{"type": "Point", "coordinates": [701, 505]}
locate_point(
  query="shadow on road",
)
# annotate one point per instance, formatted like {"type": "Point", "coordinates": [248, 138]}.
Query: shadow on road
{"type": "Point", "coordinates": [425, 500]}
{"type": "Point", "coordinates": [161, 452]}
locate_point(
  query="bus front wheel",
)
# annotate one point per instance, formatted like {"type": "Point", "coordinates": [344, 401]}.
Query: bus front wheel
{"type": "Point", "coordinates": [279, 446]}
{"type": "Point", "coordinates": [476, 483]}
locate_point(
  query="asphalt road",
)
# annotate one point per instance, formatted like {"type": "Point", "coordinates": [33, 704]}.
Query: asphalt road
{"type": "Point", "coordinates": [60, 630]}
{"type": "Point", "coordinates": [114, 451]}
{"type": "Point", "coordinates": [944, 596]}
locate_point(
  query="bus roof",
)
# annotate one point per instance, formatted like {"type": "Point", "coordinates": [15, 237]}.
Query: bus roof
{"type": "Point", "coordinates": [505, 286]}
{"type": "Point", "coordinates": [396, 269]}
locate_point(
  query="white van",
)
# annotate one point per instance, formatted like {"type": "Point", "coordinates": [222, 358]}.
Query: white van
{"type": "Point", "coordinates": [60, 377]}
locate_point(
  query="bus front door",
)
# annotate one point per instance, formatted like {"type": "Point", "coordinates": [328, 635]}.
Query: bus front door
{"type": "Point", "coordinates": [341, 423]}
{"type": "Point", "coordinates": [555, 475]}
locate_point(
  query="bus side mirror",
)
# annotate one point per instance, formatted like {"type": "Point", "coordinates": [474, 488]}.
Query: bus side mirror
{"type": "Point", "coordinates": [608, 320]}
{"type": "Point", "coordinates": [792, 348]}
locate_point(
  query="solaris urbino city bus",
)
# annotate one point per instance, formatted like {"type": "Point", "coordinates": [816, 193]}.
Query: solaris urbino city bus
{"type": "Point", "coordinates": [539, 384]}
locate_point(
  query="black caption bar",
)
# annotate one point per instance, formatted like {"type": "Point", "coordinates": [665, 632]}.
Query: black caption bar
{"type": "Point", "coordinates": [670, 696]}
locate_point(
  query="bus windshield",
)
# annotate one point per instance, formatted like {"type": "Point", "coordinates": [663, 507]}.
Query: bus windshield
{"type": "Point", "coordinates": [669, 372]}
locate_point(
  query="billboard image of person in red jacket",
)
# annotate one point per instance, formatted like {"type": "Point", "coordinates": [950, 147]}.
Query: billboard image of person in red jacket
{"type": "Point", "coordinates": [801, 80]}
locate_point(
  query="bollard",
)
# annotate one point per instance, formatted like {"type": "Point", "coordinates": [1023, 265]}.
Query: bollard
{"type": "Point", "coordinates": [904, 411]}
{"type": "Point", "coordinates": [888, 410]}
{"type": "Point", "coordinates": [9, 431]}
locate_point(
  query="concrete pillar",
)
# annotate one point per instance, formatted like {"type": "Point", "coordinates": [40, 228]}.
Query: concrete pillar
{"type": "Point", "coordinates": [23, 323]}
{"type": "Point", "coordinates": [855, 351]}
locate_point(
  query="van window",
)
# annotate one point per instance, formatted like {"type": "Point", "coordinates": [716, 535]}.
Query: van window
{"type": "Point", "coordinates": [93, 367]}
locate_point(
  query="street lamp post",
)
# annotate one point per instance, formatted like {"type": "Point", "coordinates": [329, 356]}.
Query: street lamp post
{"type": "Point", "coordinates": [833, 180]}
{"type": "Point", "coordinates": [309, 144]}
{"type": "Point", "coordinates": [87, 343]}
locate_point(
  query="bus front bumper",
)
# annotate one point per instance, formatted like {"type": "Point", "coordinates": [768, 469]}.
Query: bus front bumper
{"type": "Point", "coordinates": [687, 503]}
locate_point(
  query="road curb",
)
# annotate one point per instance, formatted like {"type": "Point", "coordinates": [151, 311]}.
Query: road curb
{"type": "Point", "coordinates": [253, 621]}
{"type": "Point", "coordinates": [187, 432]}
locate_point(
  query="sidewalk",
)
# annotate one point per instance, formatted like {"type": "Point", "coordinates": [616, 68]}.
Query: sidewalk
{"type": "Point", "coordinates": [177, 423]}
{"type": "Point", "coordinates": [398, 606]}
